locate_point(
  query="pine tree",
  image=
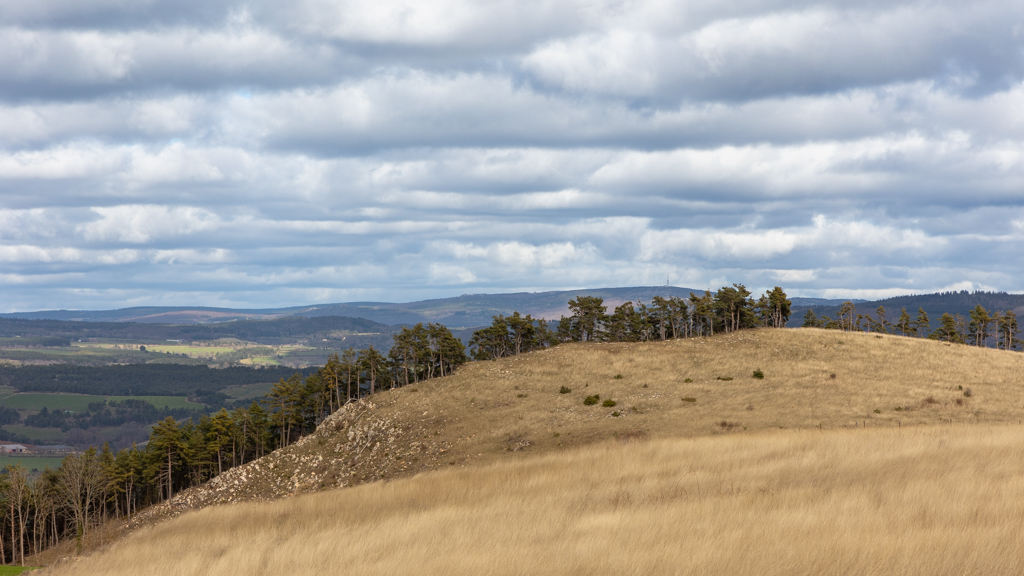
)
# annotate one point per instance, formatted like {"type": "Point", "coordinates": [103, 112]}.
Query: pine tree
{"type": "Point", "coordinates": [904, 323]}
{"type": "Point", "coordinates": [219, 436]}
{"type": "Point", "coordinates": [733, 308]}
{"type": "Point", "coordinates": [948, 330]}
{"type": "Point", "coordinates": [922, 326]}
{"type": "Point", "coordinates": [847, 316]}
{"type": "Point", "coordinates": [166, 450]}
{"type": "Point", "coordinates": [1008, 330]}
{"type": "Point", "coordinates": [588, 316]}
{"type": "Point", "coordinates": [978, 329]}
{"type": "Point", "coordinates": [779, 307]}
{"type": "Point", "coordinates": [882, 325]}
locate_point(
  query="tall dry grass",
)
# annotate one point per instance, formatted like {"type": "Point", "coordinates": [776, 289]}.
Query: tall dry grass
{"type": "Point", "coordinates": [928, 500]}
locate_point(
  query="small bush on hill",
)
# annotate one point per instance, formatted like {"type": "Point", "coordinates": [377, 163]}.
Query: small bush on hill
{"type": "Point", "coordinates": [591, 400]}
{"type": "Point", "coordinates": [689, 399]}
{"type": "Point", "coordinates": [758, 374]}
{"type": "Point", "coordinates": [725, 378]}
{"type": "Point", "coordinates": [608, 403]}
{"type": "Point", "coordinates": [564, 390]}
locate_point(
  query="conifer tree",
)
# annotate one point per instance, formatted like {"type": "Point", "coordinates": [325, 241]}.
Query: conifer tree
{"type": "Point", "coordinates": [922, 326]}
{"type": "Point", "coordinates": [978, 330]}
{"type": "Point", "coordinates": [1008, 330]}
{"type": "Point", "coordinates": [948, 331]}
{"type": "Point", "coordinates": [904, 323]}
{"type": "Point", "coordinates": [588, 316]}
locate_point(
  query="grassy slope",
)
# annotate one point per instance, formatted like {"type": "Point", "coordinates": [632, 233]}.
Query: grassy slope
{"type": "Point", "coordinates": [489, 409]}
{"type": "Point", "coordinates": [929, 500]}
{"type": "Point", "coordinates": [494, 411]}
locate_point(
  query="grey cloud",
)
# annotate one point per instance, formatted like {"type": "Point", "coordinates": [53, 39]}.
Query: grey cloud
{"type": "Point", "coordinates": [266, 153]}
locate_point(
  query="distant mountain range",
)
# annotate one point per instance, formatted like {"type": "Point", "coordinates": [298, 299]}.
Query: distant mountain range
{"type": "Point", "coordinates": [473, 310]}
{"type": "Point", "coordinates": [466, 311]}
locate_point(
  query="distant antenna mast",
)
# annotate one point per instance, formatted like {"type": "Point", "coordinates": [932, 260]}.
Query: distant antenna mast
{"type": "Point", "coordinates": [666, 281]}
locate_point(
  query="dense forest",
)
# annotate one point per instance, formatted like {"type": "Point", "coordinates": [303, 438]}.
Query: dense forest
{"type": "Point", "coordinates": [134, 379]}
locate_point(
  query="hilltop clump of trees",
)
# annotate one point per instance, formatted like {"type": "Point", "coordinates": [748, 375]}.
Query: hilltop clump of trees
{"type": "Point", "coordinates": [99, 484]}
{"type": "Point", "coordinates": [729, 309]}
{"type": "Point", "coordinates": [981, 327]}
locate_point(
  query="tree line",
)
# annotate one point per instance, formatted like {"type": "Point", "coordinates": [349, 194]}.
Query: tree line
{"type": "Point", "coordinates": [99, 484]}
{"type": "Point", "coordinates": [728, 309]}
{"type": "Point", "coordinates": [981, 327]}
{"type": "Point", "coordinates": [133, 379]}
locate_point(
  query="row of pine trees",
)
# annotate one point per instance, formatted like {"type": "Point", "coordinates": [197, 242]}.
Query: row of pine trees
{"type": "Point", "coordinates": [729, 309]}
{"type": "Point", "coordinates": [93, 487]}
{"type": "Point", "coordinates": [981, 327]}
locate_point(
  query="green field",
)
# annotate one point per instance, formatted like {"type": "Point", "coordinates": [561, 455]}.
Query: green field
{"type": "Point", "coordinates": [190, 350]}
{"type": "Point", "coordinates": [88, 355]}
{"type": "Point", "coordinates": [80, 402]}
{"type": "Point", "coordinates": [262, 361]}
{"type": "Point", "coordinates": [15, 570]}
{"type": "Point", "coordinates": [38, 463]}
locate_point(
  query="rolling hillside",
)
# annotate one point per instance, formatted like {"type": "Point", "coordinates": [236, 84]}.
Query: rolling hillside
{"type": "Point", "coordinates": [922, 501]}
{"type": "Point", "coordinates": [510, 410]}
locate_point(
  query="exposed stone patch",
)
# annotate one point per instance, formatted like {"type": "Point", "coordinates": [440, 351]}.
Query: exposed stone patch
{"type": "Point", "coordinates": [355, 445]}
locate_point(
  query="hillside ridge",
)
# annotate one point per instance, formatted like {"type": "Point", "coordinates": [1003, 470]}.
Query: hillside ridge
{"type": "Point", "coordinates": [495, 410]}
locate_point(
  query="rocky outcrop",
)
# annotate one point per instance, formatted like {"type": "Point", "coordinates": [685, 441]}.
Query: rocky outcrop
{"type": "Point", "coordinates": [356, 444]}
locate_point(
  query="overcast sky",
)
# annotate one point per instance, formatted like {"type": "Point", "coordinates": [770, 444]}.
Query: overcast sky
{"type": "Point", "coordinates": [265, 153]}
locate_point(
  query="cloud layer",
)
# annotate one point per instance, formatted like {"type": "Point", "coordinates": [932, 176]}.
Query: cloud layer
{"type": "Point", "coordinates": [257, 153]}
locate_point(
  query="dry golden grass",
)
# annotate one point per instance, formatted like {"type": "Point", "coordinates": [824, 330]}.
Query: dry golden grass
{"type": "Point", "coordinates": [927, 500]}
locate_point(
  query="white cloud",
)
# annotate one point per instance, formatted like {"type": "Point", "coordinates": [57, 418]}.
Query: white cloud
{"type": "Point", "coordinates": [139, 224]}
{"type": "Point", "coordinates": [449, 274]}
{"type": "Point", "coordinates": [191, 256]}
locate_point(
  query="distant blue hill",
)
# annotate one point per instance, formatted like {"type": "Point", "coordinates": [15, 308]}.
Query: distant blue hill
{"type": "Point", "coordinates": [468, 310]}
{"type": "Point", "coordinates": [458, 312]}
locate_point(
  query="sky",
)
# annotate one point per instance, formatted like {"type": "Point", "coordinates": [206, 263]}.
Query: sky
{"type": "Point", "coordinates": [264, 153]}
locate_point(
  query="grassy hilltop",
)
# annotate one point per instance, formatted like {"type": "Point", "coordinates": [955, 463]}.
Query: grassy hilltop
{"type": "Point", "coordinates": [724, 473]}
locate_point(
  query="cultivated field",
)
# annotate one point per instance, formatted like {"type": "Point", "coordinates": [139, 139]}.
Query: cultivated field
{"type": "Point", "coordinates": [855, 453]}
{"type": "Point", "coordinates": [935, 500]}
{"type": "Point", "coordinates": [31, 463]}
